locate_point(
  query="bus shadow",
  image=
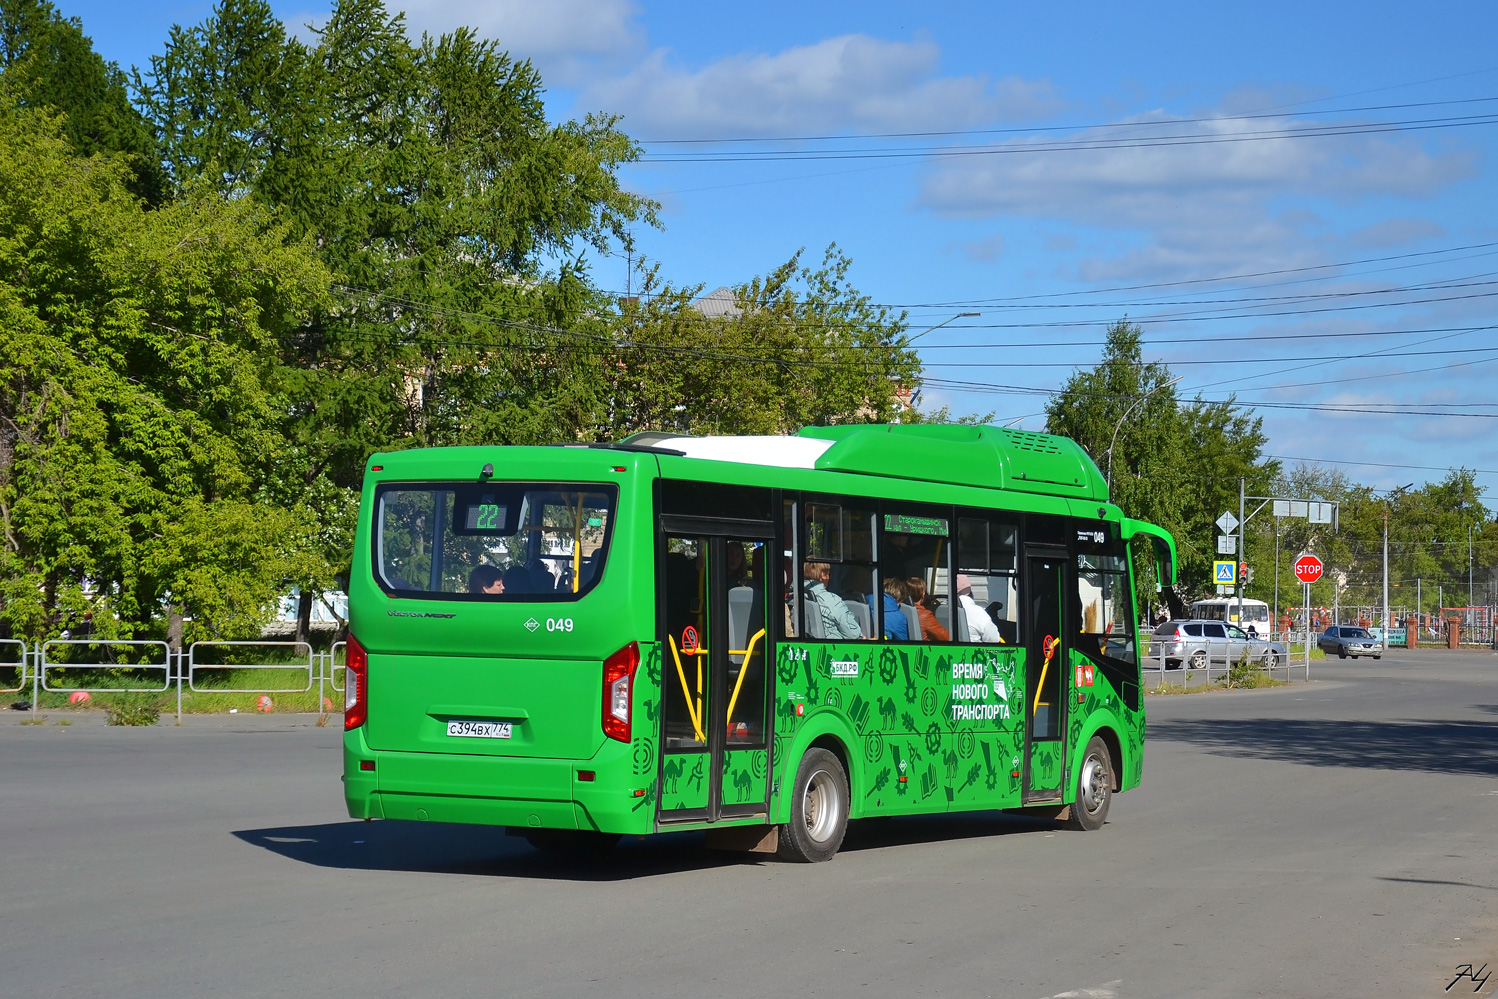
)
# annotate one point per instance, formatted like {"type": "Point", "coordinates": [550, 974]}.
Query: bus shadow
{"type": "Point", "coordinates": [877, 834]}
{"type": "Point", "coordinates": [1467, 748]}
{"type": "Point", "coordinates": [484, 851]}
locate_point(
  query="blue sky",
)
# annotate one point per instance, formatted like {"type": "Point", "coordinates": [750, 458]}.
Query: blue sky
{"type": "Point", "coordinates": [1296, 201]}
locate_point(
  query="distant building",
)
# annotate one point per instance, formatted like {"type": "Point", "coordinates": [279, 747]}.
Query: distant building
{"type": "Point", "coordinates": [721, 303]}
{"type": "Point", "coordinates": [283, 625]}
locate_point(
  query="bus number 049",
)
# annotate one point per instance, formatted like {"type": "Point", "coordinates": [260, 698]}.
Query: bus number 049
{"type": "Point", "coordinates": [559, 624]}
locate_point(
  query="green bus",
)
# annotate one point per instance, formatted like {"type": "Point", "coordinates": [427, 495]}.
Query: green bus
{"type": "Point", "coordinates": [761, 637]}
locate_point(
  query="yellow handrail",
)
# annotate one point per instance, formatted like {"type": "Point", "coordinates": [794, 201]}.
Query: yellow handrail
{"type": "Point", "coordinates": [1044, 667]}
{"type": "Point", "coordinates": [577, 543]}
{"type": "Point", "coordinates": [748, 654]}
{"type": "Point", "coordinates": [691, 712]}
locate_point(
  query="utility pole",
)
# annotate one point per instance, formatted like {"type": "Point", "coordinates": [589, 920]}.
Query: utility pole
{"type": "Point", "coordinates": [1242, 546]}
{"type": "Point", "coordinates": [1384, 625]}
{"type": "Point", "coordinates": [1276, 620]}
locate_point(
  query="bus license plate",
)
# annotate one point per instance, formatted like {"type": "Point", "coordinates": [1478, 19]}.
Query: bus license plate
{"type": "Point", "coordinates": [480, 729]}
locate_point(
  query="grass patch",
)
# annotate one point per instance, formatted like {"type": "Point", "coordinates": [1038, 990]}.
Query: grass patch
{"type": "Point", "coordinates": [135, 710]}
{"type": "Point", "coordinates": [1247, 674]}
{"type": "Point", "coordinates": [35, 721]}
{"type": "Point", "coordinates": [217, 692]}
{"type": "Point", "coordinates": [1167, 688]}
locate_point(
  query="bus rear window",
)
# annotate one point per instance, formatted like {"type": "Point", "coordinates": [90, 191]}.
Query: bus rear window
{"type": "Point", "coordinates": [505, 541]}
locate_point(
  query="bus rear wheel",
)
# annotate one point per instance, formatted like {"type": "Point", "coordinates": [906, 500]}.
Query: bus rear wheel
{"type": "Point", "coordinates": [1094, 788]}
{"type": "Point", "coordinates": [819, 809]}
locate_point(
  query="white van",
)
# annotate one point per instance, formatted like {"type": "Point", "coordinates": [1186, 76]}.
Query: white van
{"type": "Point", "coordinates": [1255, 613]}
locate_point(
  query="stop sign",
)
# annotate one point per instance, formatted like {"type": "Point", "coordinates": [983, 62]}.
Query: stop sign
{"type": "Point", "coordinates": [1308, 568]}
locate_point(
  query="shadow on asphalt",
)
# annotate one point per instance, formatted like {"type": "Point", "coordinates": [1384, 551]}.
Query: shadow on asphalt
{"type": "Point", "coordinates": [1450, 747]}
{"type": "Point", "coordinates": [438, 848]}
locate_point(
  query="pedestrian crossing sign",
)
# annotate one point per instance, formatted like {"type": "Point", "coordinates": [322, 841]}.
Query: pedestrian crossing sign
{"type": "Point", "coordinates": [1225, 573]}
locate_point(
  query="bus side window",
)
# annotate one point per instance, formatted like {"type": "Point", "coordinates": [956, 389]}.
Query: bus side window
{"type": "Point", "coordinates": [987, 584]}
{"type": "Point", "coordinates": [1105, 605]}
{"type": "Point", "coordinates": [790, 576]}
{"type": "Point", "coordinates": [915, 550]}
{"type": "Point", "coordinates": [838, 558]}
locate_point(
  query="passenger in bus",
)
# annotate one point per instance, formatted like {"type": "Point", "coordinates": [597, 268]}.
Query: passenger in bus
{"type": "Point", "coordinates": [517, 579]}
{"type": "Point", "coordinates": [896, 628]}
{"type": "Point", "coordinates": [838, 621]}
{"type": "Point", "coordinates": [486, 579]}
{"type": "Point", "coordinates": [980, 626]}
{"type": "Point", "coordinates": [925, 609]}
{"type": "Point", "coordinates": [543, 580]}
{"type": "Point", "coordinates": [734, 567]}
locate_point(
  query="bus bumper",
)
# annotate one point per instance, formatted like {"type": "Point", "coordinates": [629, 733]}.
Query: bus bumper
{"type": "Point", "coordinates": [534, 793]}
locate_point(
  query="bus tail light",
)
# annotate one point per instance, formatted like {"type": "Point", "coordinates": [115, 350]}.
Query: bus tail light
{"type": "Point", "coordinates": [618, 682]}
{"type": "Point", "coordinates": [355, 685]}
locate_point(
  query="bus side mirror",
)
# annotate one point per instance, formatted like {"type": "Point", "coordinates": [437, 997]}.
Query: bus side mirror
{"type": "Point", "coordinates": [1163, 568]}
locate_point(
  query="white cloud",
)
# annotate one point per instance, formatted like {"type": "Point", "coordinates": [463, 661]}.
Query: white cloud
{"type": "Point", "coordinates": [530, 29]}
{"type": "Point", "coordinates": [1201, 207]}
{"type": "Point", "coordinates": [852, 82]}
{"type": "Point", "coordinates": [1395, 232]}
{"type": "Point", "coordinates": [983, 251]}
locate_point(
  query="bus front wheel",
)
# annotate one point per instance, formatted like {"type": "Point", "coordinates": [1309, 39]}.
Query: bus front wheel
{"type": "Point", "coordinates": [819, 809]}
{"type": "Point", "coordinates": [1094, 788]}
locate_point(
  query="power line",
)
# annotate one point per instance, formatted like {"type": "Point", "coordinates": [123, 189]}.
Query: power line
{"type": "Point", "coordinates": [1378, 464]}
{"type": "Point", "coordinates": [1038, 129]}
{"type": "Point", "coordinates": [1218, 339]}
{"type": "Point", "coordinates": [1078, 145]}
{"type": "Point", "coordinates": [1188, 361]}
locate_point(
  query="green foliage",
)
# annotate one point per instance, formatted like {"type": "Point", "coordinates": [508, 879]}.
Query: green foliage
{"type": "Point", "coordinates": [800, 347]}
{"type": "Point", "coordinates": [134, 709]}
{"type": "Point", "coordinates": [353, 244]}
{"type": "Point", "coordinates": [49, 63]}
{"type": "Point", "coordinates": [1171, 462]}
{"type": "Point", "coordinates": [1247, 674]}
{"type": "Point", "coordinates": [1428, 540]}
{"type": "Point", "coordinates": [136, 415]}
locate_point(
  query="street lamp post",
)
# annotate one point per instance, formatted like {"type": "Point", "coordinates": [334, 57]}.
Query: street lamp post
{"type": "Point", "coordinates": [1138, 402]}
{"type": "Point", "coordinates": [951, 319]}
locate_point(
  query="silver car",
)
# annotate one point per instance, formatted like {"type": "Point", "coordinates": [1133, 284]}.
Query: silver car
{"type": "Point", "coordinates": [1198, 643]}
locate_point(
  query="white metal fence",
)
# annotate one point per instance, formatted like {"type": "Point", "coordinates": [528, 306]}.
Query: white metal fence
{"type": "Point", "coordinates": [1189, 663]}
{"type": "Point", "coordinates": [54, 666]}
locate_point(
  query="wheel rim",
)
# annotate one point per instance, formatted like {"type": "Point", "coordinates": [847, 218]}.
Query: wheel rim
{"type": "Point", "coordinates": [820, 806]}
{"type": "Point", "coordinates": [1271, 659]}
{"type": "Point", "coordinates": [1198, 659]}
{"type": "Point", "coordinates": [1095, 786]}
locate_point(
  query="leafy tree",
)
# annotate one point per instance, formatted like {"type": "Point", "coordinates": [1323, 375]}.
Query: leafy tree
{"type": "Point", "coordinates": [1428, 541]}
{"type": "Point", "coordinates": [135, 419]}
{"type": "Point", "coordinates": [1174, 463]}
{"type": "Point", "coordinates": [48, 62]}
{"type": "Point", "coordinates": [800, 347]}
{"type": "Point", "coordinates": [451, 214]}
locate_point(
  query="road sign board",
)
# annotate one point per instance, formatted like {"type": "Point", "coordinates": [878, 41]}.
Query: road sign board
{"type": "Point", "coordinates": [1225, 573]}
{"type": "Point", "coordinates": [1308, 568]}
{"type": "Point", "coordinates": [1227, 522]}
{"type": "Point", "coordinates": [1227, 544]}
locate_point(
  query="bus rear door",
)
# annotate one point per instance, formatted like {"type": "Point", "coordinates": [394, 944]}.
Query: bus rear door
{"type": "Point", "coordinates": [715, 647]}
{"type": "Point", "coordinates": [1045, 665]}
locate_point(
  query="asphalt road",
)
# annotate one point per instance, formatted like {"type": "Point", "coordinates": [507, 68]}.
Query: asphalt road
{"type": "Point", "coordinates": [1327, 839]}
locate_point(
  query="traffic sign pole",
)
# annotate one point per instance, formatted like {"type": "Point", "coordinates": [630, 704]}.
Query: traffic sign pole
{"type": "Point", "coordinates": [1242, 552]}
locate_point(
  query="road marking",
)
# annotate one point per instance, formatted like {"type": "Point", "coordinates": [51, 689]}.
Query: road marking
{"type": "Point", "coordinates": [1107, 990]}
